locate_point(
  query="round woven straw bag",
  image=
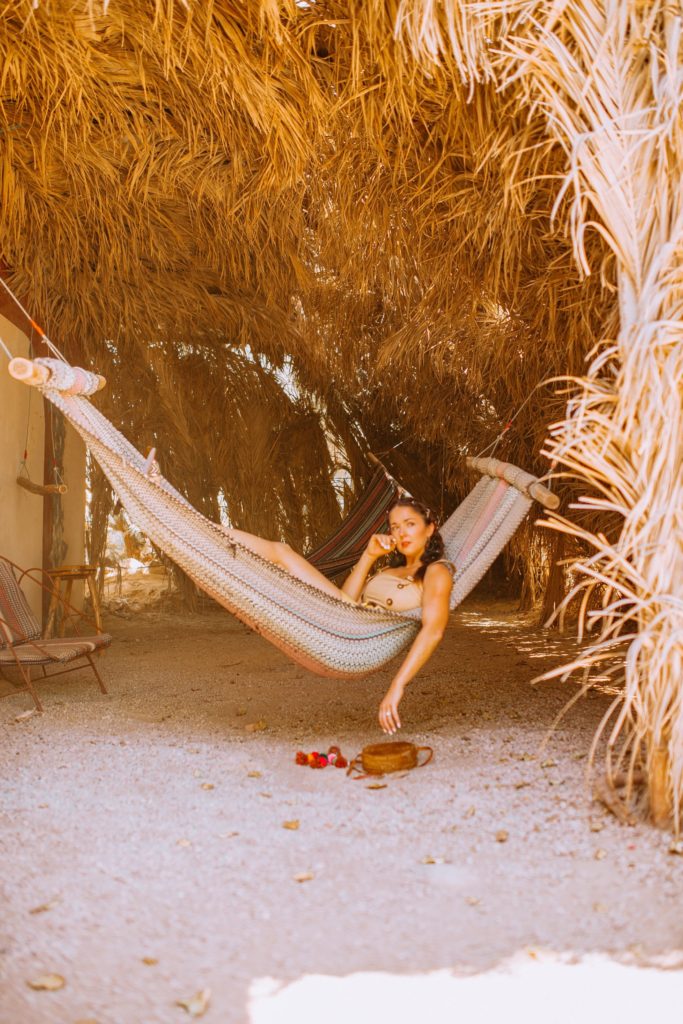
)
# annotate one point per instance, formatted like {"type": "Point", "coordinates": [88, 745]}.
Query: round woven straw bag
{"type": "Point", "coordinates": [383, 758]}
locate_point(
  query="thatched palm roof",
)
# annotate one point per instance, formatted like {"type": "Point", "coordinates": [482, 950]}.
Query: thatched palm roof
{"type": "Point", "coordinates": [214, 174]}
{"type": "Point", "coordinates": [420, 210]}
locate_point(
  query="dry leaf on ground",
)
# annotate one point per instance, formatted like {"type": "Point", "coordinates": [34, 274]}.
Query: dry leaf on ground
{"type": "Point", "coordinates": [502, 835]}
{"type": "Point", "coordinates": [470, 812]}
{"type": "Point", "coordinates": [47, 982]}
{"type": "Point", "coordinates": [183, 842]}
{"type": "Point", "coordinates": [259, 726]}
{"type": "Point", "coordinates": [42, 907]}
{"type": "Point", "coordinates": [197, 1004]}
{"type": "Point", "coordinates": [472, 900]}
{"type": "Point", "coordinates": [292, 825]}
{"type": "Point", "coordinates": [25, 714]}
{"type": "Point", "coordinates": [304, 876]}
{"type": "Point", "coordinates": [208, 785]}
{"type": "Point", "coordinates": [254, 775]}
{"type": "Point", "coordinates": [600, 854]}
{"type": "Point", "coordinates": [433, 860]}
{"type": "Point", "coordinates": [377, 785]}
{"type": "Point", "coordinates": [150, 960]}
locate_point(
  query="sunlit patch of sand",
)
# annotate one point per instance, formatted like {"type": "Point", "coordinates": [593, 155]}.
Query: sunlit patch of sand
{"type": "Point", "coordinates": [530, 988]}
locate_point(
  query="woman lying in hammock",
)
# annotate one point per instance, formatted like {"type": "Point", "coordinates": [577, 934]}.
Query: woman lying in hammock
{"type": "Point", "coordinates": [420, 577]}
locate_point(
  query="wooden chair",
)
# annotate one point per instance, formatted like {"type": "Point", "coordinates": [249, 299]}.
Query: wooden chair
{"type": "Point", "coordinates": [22, 646]}
{"type": "Point", "coordinates": [67, 575]}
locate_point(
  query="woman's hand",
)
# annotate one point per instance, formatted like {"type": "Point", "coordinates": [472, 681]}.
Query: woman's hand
{"type": "Point", "coordinates": [435, 598]}
{"type": "Point", "coordinates": [388, 710]}
{"type": "Point", "coordinates": [380, 544]}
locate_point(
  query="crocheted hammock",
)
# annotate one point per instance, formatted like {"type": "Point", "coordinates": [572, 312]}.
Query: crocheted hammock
{"type": "Point", "coordinates": [326, 635]}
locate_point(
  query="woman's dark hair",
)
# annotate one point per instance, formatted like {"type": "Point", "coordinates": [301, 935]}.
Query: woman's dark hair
{"type": "Point", "coordinates": [435, 545]}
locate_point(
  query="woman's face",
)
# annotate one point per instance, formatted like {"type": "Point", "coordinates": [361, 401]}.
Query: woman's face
{"type": "Point", "coordinates": [409, 530]}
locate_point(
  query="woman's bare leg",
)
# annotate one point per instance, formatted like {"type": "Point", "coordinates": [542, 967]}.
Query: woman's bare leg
{"type": "Point", "coordinates": [285, 556]}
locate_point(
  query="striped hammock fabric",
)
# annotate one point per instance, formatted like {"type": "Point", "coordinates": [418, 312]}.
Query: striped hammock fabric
{"type": "Point", "coordinates": [327, 635]}
{"type": "Point", "coordinates": [342, 549]}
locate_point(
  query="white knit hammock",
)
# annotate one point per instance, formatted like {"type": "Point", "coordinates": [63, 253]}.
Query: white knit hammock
{"type": "Point", "coordinates": [327, 635]}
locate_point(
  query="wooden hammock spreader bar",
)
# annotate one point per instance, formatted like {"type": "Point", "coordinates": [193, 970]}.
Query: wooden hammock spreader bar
{"type": "Point", "coordinates": [524, 482]}
{"type": "Point", "coordinates": [29, 485]}
{"type": "Point", "coordinates": [29, 372]}
{"type": "Point", "coordinates": [39, 375]}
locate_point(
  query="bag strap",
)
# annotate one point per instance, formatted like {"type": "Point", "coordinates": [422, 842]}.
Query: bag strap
{"type": "Point", "coordinates": [354, 767]}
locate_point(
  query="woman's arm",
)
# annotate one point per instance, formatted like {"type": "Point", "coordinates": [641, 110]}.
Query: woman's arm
{"type": "Point", "coordinates": [438, 583]}
{"type": "Point", "coordinates": [378, 545]}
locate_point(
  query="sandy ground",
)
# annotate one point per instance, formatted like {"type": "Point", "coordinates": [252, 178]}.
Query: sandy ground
{"type": "Point", "coordinates": [144, 857]}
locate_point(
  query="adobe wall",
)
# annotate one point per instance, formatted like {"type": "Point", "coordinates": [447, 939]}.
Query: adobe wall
{"type": "Point", "coordinates": [22, 428]}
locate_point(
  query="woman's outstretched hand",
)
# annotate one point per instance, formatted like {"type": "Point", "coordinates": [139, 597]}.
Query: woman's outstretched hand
{"type": "Point", "coordinates": [380, 544]}
{"type": "Point", "coordinates": [388, 710]}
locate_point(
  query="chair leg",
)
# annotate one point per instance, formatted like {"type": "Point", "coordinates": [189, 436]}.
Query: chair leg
{"type": "Point", "coordinates": [26, 674]}
{"type": "Point", "coordinates": [103, 688]}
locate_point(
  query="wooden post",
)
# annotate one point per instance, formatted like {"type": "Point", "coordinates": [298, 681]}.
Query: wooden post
{"type": "Point", "coordinates": [659, 786]}
{"type": "Point", "coordinates": [54, 548]}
